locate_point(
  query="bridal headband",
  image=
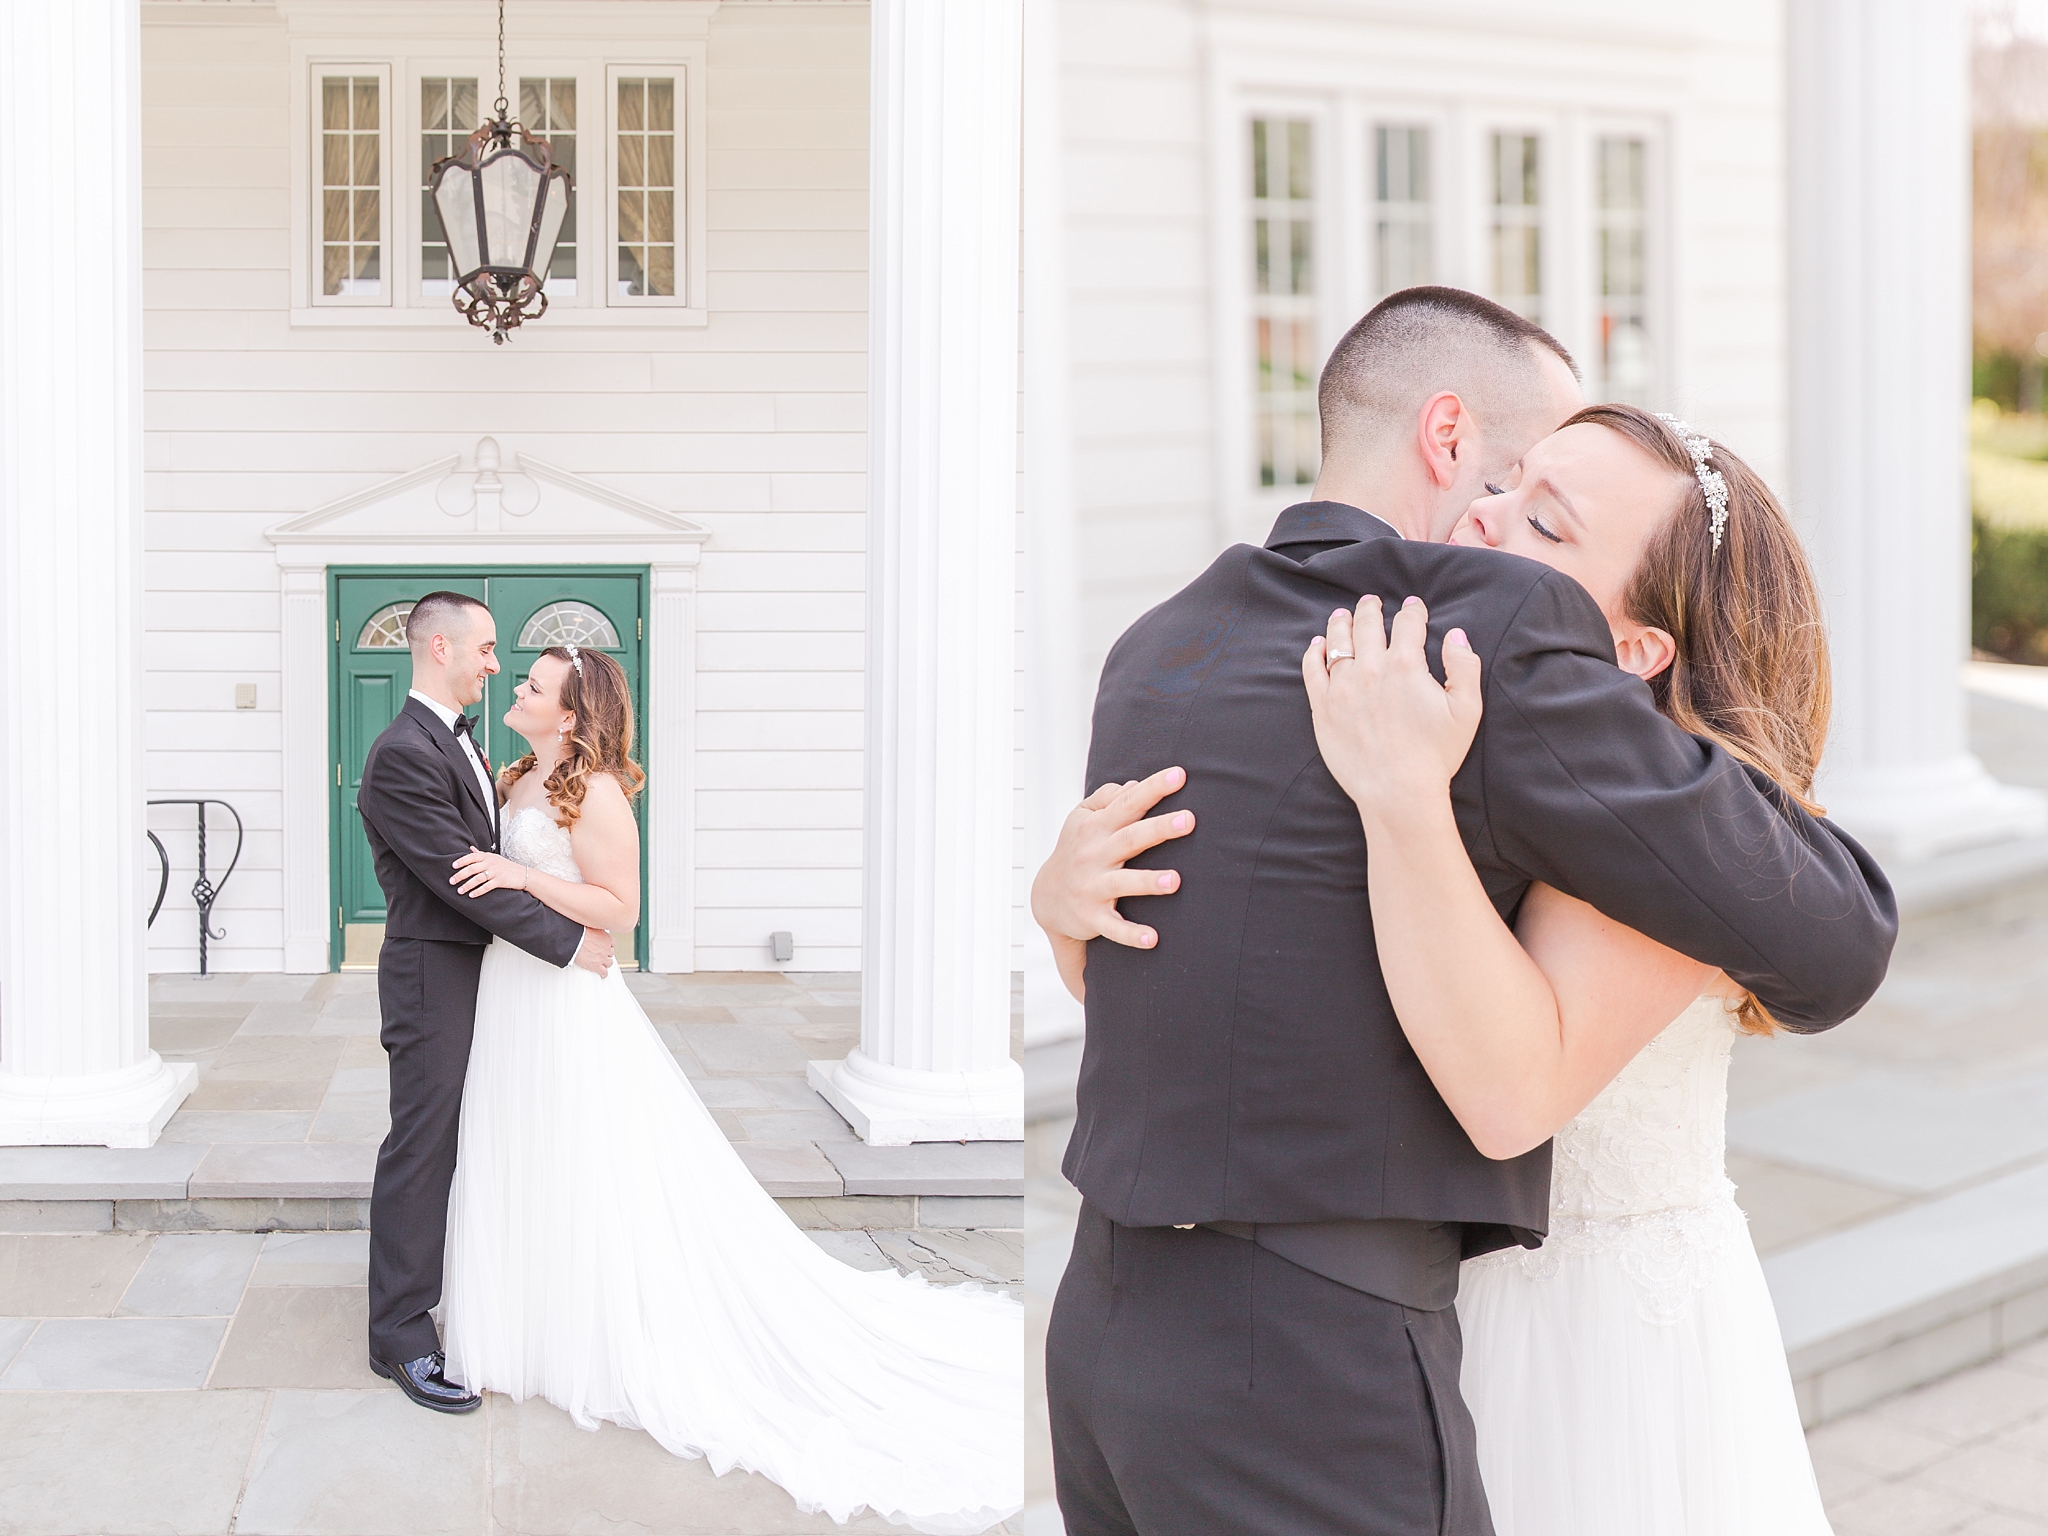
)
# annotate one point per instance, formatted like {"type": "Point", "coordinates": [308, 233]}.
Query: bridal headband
{"type": "Point", "coordinates": [576, 660]}
{"type": "Point", "coordinates": [1712, 484]}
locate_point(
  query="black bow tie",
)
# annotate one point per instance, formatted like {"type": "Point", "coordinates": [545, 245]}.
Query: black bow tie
{"type": "Point", "coordinates": [465, 725]}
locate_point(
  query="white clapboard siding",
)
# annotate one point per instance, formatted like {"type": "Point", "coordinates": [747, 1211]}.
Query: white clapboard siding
{"type": "Point", "coordinates": [1154, 93]}
{"type": "Point", "coordinates": [752, 425]}
{"type": "Point", "coordinates": [1132, 99]}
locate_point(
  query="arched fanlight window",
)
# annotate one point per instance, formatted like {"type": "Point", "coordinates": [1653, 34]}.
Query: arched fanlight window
{"type": "Point", "coordinates": [385, 630]}
{"type": "Point", "coordinates": [569, 623]}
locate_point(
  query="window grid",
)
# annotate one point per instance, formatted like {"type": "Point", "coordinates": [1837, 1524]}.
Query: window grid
{"type": "Point", "coordinates": [1405, 224]}
{"type": "Point", "coordinates": [384, 630]}
{"type": "Point", "coordinates": [1286, 359]}
{"type": "Point", "coordinates": [569, 623]}
{"type": "Point", "coordinates": [1621, 217]}
{"type": "Point", "coordinates": [647, 188]}
{"type": "Point", "coordinates": [547, 108]}
{"type": "Point", "coordinates": [351, 187]}
{"type": "Point", "coordinates": [1518, 223]}
{"type": "Point", "coordinates": [448, 116]}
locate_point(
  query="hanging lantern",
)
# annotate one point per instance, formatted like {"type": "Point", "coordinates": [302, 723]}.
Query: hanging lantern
{"type": "Point", "coordinates": [501, 201]}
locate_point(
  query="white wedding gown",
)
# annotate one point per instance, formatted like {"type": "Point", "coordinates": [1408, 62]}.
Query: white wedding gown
{"type": "Point", "coordinates": [608, 1251]}
{"type": "Point", "coordinates": [1628, 1377]}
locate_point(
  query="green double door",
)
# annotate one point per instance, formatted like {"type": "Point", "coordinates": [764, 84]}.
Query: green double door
{"type": "Point", "coordinates": [599, 608]}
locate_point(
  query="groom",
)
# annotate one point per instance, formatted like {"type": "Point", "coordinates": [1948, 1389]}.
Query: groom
{"type": "Point", "coordinates": [1255, 1332]}
{"type": "Point", "coordinates": [427, 799]}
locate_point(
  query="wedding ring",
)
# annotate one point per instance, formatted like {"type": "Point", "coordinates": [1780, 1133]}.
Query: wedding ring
{"type": "Point", "coordinates": [1343, 655]}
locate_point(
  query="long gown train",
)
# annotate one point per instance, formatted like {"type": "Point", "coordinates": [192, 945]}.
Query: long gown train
{"type": "Point", "coordinates": [608, 1251]}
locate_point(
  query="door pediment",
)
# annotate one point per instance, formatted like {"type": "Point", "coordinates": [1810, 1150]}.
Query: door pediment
{"type": "Point", "coordinates": [516, 511]}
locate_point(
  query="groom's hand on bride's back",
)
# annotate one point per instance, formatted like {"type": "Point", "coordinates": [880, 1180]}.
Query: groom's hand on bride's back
{"type": "Point", "coordinates": [1076, 890]}
{"type": "Point", "coordinates": [595, 952]}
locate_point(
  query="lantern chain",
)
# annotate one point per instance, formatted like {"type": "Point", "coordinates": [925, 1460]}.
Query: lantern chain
{"type": "Point", "coordinates": [503, 104]}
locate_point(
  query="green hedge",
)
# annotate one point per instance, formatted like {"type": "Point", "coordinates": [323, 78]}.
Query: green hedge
{"type": "Point", "coordinates": [2009, 591]}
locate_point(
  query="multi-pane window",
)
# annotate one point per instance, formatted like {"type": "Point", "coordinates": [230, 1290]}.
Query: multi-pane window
{"type": "Point", "coordinates": [448, 116]}
{"type": "Point", "coordinates": [1620, 215]}
{"type": "Point", "coordinates": [547, 108]}
{"type": "Point", "coordinates": [369, 241]}
{"type": "Point", "coordinates": [1286, 358]}
{"type": "Point", "coordinates": [569, 623]}
{"type": "Point", "coordinates": [647, 188]}
{"type": "Point", "coordinates": [1405, 223]}
{"type": "Point", "coordinates": [1518, 223]}
{"type": "Point", "coordinates": [351, 187]}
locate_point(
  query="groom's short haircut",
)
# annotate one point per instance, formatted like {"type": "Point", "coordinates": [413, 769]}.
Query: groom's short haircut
{"type": "Point", "coordinates": [1419, 342]}
{"type": "Point", "coordinates": [439, 613]}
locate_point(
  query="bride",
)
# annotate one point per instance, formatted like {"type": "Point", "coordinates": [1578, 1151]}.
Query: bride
{"type": "Point", "coordinates": [607, 1249]}
{"type": "Point", "coordinates": [1628, 1377]}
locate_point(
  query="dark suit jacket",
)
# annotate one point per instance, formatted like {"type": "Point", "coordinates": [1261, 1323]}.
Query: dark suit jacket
{"type": "Point", "coordinates": [424, 809]}
{"type": "Point", "coordinates": [1250, 1068]}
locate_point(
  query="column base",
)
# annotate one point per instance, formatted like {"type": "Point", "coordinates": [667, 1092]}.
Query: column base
{"type": "Point", "coordinates": [895, 1106]}
{"type": "Point", "coordinates": [128, 1108]}
{"type": "Point", "coordinates": [1909, 815]}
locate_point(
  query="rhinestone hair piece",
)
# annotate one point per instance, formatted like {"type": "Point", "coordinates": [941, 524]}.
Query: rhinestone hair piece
{"type": "Point", "coordinates": [1711, 482]}
{"type": "Point", "coordinates": [576, 658]}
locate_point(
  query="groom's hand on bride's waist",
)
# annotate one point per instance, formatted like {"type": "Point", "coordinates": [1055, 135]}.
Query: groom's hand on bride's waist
{"type": "Point", "coordinates": [594, 954]}
{"type": "Point", "coordinates": [1076, 890]}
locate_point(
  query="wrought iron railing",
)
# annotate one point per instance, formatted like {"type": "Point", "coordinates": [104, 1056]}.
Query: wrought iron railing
{"type": "Point", "coordinates": [205, 891]}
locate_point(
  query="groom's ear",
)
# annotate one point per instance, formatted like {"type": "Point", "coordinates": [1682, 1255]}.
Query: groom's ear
{"type": "Point", "coordinates": [1442, 427]}
{"type": "Point", "coordinates": [1642, 649]}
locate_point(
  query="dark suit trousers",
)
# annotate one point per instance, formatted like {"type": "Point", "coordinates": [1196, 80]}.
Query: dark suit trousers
{"type": "Point", "coordinates": [1199, 1383]}
{"type": "Point", "coordinates": [426, 989]}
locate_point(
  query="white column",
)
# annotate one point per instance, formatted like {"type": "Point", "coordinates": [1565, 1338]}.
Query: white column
{"type": "Point", "coordinates": [934, 1060]}
{"type": "Point", "coordinates": [75, 1062]}
{"type": "Point", "coordinates": [1879, 171]}
{"type": "Point", "coordinates": [1056, 699]}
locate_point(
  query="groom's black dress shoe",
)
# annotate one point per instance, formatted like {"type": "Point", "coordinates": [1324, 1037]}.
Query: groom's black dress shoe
{"type": "Point", "coordinates": [422, 1381]}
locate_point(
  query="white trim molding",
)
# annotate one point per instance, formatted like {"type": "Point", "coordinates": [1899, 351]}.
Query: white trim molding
{"type": "Point", "coordinates": [488, 514]}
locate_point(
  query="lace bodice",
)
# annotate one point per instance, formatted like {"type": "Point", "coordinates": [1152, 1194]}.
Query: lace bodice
{"type": "Point", "coordinates": [532, 838]}
{"type": "Point", "coordinates": [1639, 1178]}
{"type": "Point", "coordinates": [1655, 1137]}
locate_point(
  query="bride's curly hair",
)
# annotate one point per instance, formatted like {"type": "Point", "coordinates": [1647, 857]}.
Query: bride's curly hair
{"type": "Point", "coordinates": [1751, 673]}
{"type": "Point", "coordinates": [597, 694]}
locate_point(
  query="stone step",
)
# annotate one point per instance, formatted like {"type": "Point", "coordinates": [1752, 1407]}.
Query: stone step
{"type": "Point", "coordinates": [322, 1186]}
{"type": "Point", "coordinates": [1912, 1296]}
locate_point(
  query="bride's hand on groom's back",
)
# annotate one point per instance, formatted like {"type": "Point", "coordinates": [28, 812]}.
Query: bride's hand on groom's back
{"type": "Point", "coordinates": [1076, 891]}
{"type": "Point", "coordinates": [1389, 732]}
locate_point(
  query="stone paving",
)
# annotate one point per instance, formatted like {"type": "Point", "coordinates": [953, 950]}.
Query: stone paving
{"type": "Point", "coordinates": [1966, 1456]}
{"type": "Point", "coordinates": [229, 1366]}
{"type": "Point", "coordinates": [1940, 1082]}
{"type": "Point", "coordinates": [291, 1103]}
{"type": "Point", "coordinates": [228, 1369]}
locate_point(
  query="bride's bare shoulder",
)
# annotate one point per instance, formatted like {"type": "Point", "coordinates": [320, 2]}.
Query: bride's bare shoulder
{"type": "Point", "coordinates": [605, 797]}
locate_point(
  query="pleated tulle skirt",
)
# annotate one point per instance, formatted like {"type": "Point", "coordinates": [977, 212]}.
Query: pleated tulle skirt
{"type": "Point", "coordinates": [609, 1252]}
{"type": "Point", "coordinates": [1629, 1379]}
